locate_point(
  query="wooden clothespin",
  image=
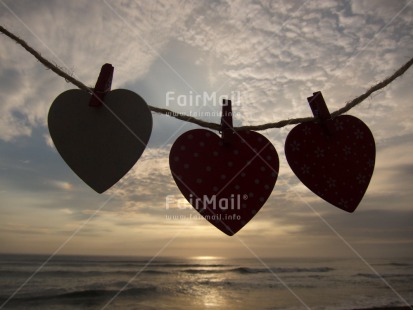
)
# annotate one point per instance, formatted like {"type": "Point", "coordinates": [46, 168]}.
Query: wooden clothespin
{"type": "Point", "coordinates": [103, 85]}
{"type": "Point", "coordinates": [227, 129]}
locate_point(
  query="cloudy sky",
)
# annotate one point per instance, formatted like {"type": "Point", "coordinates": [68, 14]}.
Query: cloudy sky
{"type": "Point", "coordinates": [274, 54]}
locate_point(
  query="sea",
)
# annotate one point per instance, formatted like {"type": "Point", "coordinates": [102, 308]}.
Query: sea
{"type": "Point", "coordinates": [85, 282]}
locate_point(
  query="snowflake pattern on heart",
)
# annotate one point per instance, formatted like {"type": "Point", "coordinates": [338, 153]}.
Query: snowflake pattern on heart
{"type": "Point", "coordinates": [226, 183]}
{"type": "Point", "coordinates": [335, 161]}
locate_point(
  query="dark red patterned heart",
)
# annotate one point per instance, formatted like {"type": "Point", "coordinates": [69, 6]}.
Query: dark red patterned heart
{"type": "Point", "coordinates": [334, 160]}
{"type": "Point", "coordinates": [226, 183]}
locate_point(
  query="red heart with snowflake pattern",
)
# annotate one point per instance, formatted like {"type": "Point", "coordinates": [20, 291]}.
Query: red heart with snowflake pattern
{"type": "Point", "coordinates": [335, 161]}
{"type": "Point", "coordinates": [226, 183]}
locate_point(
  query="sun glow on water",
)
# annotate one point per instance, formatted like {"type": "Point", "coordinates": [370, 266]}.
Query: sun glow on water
{"type": "Point", "coordinates": [206, 257]}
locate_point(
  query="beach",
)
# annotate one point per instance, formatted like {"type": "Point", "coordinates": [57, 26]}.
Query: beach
{"type": "Point", "coordinates": [388, 308]}
{"type": "Point", "coordinates": [80, 282]}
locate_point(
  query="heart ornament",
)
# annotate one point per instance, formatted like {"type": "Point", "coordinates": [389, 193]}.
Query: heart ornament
{"type": "Point", "coordinates": [100, 144]}
{"type": "Point", "coordinates": [227, 180]}
{"type": "Point", "coordinates": [334, 158]}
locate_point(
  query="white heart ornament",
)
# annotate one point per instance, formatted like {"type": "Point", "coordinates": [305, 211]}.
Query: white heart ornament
{"type": "Point", "coordinates": [100, 144]}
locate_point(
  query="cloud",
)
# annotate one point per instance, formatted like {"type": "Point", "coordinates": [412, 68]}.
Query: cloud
{"type": "Point", "coordinates": [249, 47]}
{"type": "Point", "coordinates": [275, 54]}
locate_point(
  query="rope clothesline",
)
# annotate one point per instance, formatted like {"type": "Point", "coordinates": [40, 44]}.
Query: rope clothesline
{"type": "Point", "coordinates": [348, 106]}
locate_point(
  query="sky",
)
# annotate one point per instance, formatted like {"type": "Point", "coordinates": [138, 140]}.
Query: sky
{"type": "Point", "coordinates": [268, 56]}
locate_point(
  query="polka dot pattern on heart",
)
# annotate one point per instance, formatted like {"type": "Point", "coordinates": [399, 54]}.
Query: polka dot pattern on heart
{"type": "Point", "coordinates": [234, 179]}
{"type": "Point", "coordinates": [337, 166]}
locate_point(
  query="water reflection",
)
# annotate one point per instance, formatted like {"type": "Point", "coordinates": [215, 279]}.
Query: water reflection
{"type": "Point", "coordinates": [205, 285]}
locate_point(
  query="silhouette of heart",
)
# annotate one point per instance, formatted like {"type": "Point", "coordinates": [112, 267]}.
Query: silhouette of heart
{"type": "Point", "coordinates": [226, 183]}
{"type": "Point", "coordinates": [334, 160]}
{"type": "Point", "coordinates": [100, 144]}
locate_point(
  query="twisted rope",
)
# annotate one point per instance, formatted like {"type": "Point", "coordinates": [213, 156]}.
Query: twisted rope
{"type": "Point", "coordinates": [348, 106]}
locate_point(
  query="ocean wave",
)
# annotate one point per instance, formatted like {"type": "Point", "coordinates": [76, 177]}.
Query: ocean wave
{"type": "Point", "coordinates": [118, 264]}
{"type": "Point", "coordinates": [375, 276]}
{"type": "Point", "coordinates": [151, 271]}
{"type": "Point", "coordinates": [394, 264]}
{"type": "Point", "coordinates": [63, 262]}
{"type": "Point", "coordinates": [247, 270]}
{"type": "Point", "coordinates": [105, 293]}
{"type": "Point", "coordinates": [252, 285]}
{"type": "Point", "coordinates": [191, 265]}
{"type": "Point", "coordinates": [79, 273]}
{"type": "Point", "coordinates": [367, 275]}
{"type": "Point", "coordinates": [399, 264]}
{"type": "Point", "coordinates": [197, 269]}
{"type": "Point", "coordinates": [205, 271]}
{"type": "Point", "coordinates": [283, 270]}
{"type": "Point", "coordinates": [90, 294]}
